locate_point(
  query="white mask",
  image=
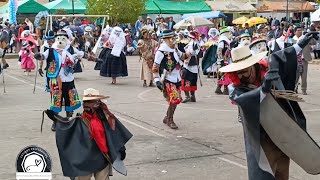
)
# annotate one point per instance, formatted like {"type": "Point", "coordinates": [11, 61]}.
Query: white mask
{"type": "Point", "coordinates": [258, 48]}
{"type": "Point", "coordinates": [245, 41]}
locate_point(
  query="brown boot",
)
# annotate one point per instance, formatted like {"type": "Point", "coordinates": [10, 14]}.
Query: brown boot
{"type": "Point", "coordinates": [225, 90]}
{"type": "Point", "coordinates": [171, 123]}
{"type": "Point", "coordinates": [218, 89]}
{"type": "Point", "coordinates": [165, 119]}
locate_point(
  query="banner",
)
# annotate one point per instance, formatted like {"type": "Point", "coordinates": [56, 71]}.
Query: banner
{"type": "Point", "coordinates": [13, 7]}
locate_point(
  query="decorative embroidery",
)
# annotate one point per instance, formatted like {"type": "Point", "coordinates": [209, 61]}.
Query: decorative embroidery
{"type": "Point", "coordinates": [68, 66]}
{"type": "Point", "coordinates": [56, 95]}
{"type": "Point", "coordinates": [74, 97]}
{"type": "Point", "coordinates": [169, 62]}
{"type": "Point", "coordinates": [187, 84]}
{"type": "Point", "coordinates": [174, 93]}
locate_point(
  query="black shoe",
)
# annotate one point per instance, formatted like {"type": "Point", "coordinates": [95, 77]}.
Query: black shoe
{"type": "Point", "coordinates": [193, 99]}
{"type": "Point", "coordinates": [5, 66]}
{"type": "Point", "coordinates": [53, 127]}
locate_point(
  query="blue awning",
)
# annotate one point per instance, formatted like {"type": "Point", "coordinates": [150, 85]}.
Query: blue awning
{"type": "Point", "coordinates": [212, 14]}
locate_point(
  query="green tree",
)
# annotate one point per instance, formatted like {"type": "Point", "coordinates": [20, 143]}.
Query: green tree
{"type": "Point", "coordinates": [120, 11]}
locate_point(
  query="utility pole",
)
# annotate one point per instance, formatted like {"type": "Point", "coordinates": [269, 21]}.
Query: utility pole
{"type": "Point", "coordinates": [72, 7]}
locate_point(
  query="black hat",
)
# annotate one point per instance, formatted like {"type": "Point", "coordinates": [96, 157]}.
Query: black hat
{"type": "Point", "coordinates": [49, 35]}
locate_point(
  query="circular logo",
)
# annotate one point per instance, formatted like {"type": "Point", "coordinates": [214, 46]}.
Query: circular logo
{"type": "Point", "coordinates": [33, 159]}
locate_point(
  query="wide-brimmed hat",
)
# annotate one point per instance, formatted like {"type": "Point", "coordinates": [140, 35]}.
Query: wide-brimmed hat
{"type": "Point", "coordinates": [167, 34]}
{"type": "Point", "coordinates": [242, 59]}
{"type": "Point", "coordinates": [92, 94]}
{"type": "Point", "coordinates": [49, 35]}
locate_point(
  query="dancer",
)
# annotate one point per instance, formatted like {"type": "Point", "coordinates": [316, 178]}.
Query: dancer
{"type": "Point", "coordinates": [115, 63]}
{"type": "Point", "coordinates": [209, 66]}
{"type": "Point", "coordinates": [26, 56]}
{"type": "Point", "coordinates": [266, 116]}
{"type": "Point", "coordinates": [168, 64]}
{"type": "Point", "coordinates": [244, 40]}
{"type": "Point", "coordinates": [223, 55]}
{"type": "Point", "coordinates": [91, 144]}
{"type": "Point", "coordinates": [146, 47]}
{"type": "Point", "coordinates": [60, 65]}
{"type": "Point", "coordinates": [190, 69]}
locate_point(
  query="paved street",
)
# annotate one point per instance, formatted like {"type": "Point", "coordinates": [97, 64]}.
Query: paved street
{"type": "Point", "coordinates": [207, 146]}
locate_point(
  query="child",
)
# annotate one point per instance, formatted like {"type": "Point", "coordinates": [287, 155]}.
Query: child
{"type": "Point", "coordinates": [13, 42]}
{"type": "Point", "coordinates": [26, 56]}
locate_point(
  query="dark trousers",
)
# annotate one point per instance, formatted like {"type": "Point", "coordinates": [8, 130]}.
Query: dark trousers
{"type": "Point", "coordinates": [316, 54]}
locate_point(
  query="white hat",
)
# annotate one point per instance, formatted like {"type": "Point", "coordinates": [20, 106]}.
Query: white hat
{"type": "Point", "coordinates": [88, 29]}
{"type": "Point", "coordinates": [242, 59]}
{"type": "Point", "coordinates": [92, 94]}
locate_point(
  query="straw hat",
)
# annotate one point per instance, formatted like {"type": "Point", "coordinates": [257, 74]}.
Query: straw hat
{"type": "Point", "coordinates": [92, 94]}
{"type": "Point", "coordinates": [256, 40]}
{"type": "Point", "coordinates": [242, 59]}
{"type": "Point", "coordinates": [167, 34]}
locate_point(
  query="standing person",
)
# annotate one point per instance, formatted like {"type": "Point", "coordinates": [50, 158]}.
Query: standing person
{"type": "Point", "coordinates": [161, 26]}
{"type": "Point", "coordinates": [60, 65]}
{"type": "Point", "coordinates": [316, 50]}
{"type": "Point", "coordinates": [168, 64]}
{"type": "Point", "coordinates": [115, 63]}
{"type": "Point", "coordinates": [26, 56]}
{"type": "Point", "coordinates": [76, 21]}
{"type": "Point", "coordinates": [190, 68]}
{"type": "Point", "coordinates": [146, 47]}
{"type": "Point", "coordinates": [129, 42]}
{"type": "Point", "coordinates": [30, 25]}
{"type": "Point", "coordinates": [138, 26]}
{"type": "Point", "coordinates": [55, 25]}
{"type": "Point", "coordinates": [250, 89]}
{"type": "Point", "coordinates": [63, 22]}
{"type": "Point", "coordinates": [150, 24]}
{"type": "Point", "coordinates": [223, 57]}
{"type": "Point", "coordinates": [85, 21]}
{"type": "Point", "coordinates": [42, 24]}
{"type": "Point", "coordinates": [90, 144]}
{"type": "Point", "coordinates": [303, 59]}
{"type": "Point", "coordinates": [247, 29]}
{"type": "Point", "coordinates": [171, 23]}
{"type": "Point", "coordinates": [48, 42]}
{"type": "Point", "coordinates": [4, 44]}
{"type": "Point", "coordinates": [209, 66]}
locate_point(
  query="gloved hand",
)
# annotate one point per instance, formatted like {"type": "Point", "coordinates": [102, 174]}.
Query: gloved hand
{"type": "Point", "coordinates": [272, 75]}
{"type": "Point", "coordinates": [123, 155]}
{"type": "Point", "coordinates": [159, 85]}
{"type": "Point", "coordinates": [305, 41]}
{"type": "Point", "coordinates": [51, 114]}
{"type": "Point", "coordinates": [40, 72]}
{"type": "Point", "coordinates": [37, 56]}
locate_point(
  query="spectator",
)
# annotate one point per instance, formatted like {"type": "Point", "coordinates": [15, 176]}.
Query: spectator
{"type": "Point", "coordinates": [21, 29]}
{"type": "Point", "coordinates": [171, 23]}
{"type": "Point", "coordinates": [150, 24]}
{"type": "Point", "coordinates": [99, 21]}
{"type": "Point", "coordinates": [247, 29]}
{"type": "Point", "coordinates": [129, 42]}
{"type": "Point", "coordinates": [316, 49]}
{"type": "Point", "coordinates": [303, 59]}
{"type": "Point", "coordinates": [161, 25]}
{"type": "Point", "coordinates": [85, 21]}
{"type": "Point", "coordinates": [55, 24]}
{"type": "Point", "coordinates": [138, 26]}
{"type": "Point", "coordinates": [77, 21]}
{"type": "Point", "coordinates": [63, 23]}
{"type": "Point", "coordinates": [29, 23]}
{"type": "Point", "coordinates": [42, 24]}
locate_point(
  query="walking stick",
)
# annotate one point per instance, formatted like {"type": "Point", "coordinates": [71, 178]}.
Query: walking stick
{"type": "Point", "coordinates": [4, 84]}
{"type": "Point", "coordinates": [35, 79]}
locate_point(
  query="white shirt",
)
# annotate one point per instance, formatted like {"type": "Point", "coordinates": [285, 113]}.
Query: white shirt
{"type": "Point", "coordinates": [174, 76]}
{"type": "Point", "coordinates": [189, 48]}
{"type": "Point", "coordinates": [62, 58]}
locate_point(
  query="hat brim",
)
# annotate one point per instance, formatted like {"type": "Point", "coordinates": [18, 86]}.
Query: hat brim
{"type": "Point", "coordinates": [49, 37]}
{"type": "Point", "coordinates": [95, 98]}
{"type": "Point", "coordinates": [237, 66]}
{"type": "Point", "coordinates": [256, 42]}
